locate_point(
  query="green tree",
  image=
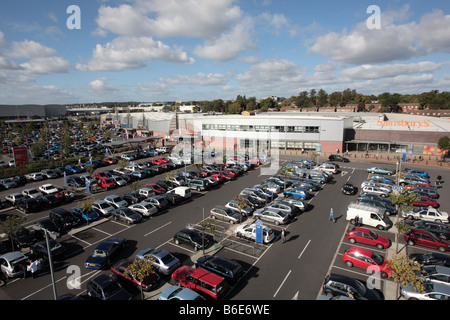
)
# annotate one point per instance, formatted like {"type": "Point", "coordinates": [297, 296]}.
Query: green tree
{"type": "Point", "coordinates": [140, 269]}
{"type": "Point", "coordinates": [444, 144]}
{"type": "Point", "coordinates": [9, 225]}
{"type": "Point", "coordinates": [407, 271]}
{"type": "Point", "coordinates": [267, 104]}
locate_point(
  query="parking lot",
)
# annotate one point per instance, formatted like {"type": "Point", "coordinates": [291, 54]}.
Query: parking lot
{"type": "Point", "coordinates": [281, 271]}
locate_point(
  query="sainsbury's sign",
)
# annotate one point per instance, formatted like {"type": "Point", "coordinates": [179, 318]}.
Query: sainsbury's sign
{"type": "Point", "coordinates": [403, 123]}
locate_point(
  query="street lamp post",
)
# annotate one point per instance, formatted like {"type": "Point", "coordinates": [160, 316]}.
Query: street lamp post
{"type": "Point", "coordinates": [50, 261]}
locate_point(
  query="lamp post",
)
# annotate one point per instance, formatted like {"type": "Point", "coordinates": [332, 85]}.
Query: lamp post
{"type": "Point", "coordinates": [50, 262]}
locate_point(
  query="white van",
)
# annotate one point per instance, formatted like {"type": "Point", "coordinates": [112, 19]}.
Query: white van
{"type": "Point", "coordinates": [369, 216]}
{"type": "Point", "coordinates": [185, 192]}
{"type": "Point", "coordinates": [328, 167]}
{"type": "Point", "coordinates": [163, 149]}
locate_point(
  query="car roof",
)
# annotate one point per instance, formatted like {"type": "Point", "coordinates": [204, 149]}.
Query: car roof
{"type": "Point", "coordinates": [13, 255]}
{"type": "Point", "coordinates": [363, 251]}
{"type": "Point", "coordinates": [206, 276]}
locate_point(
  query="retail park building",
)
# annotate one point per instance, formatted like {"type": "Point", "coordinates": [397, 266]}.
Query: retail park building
{"type": "Point", "coordinates": [321, 131]}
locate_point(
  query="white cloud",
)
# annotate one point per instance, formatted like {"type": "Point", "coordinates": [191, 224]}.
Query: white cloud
{"type": "Point", "coordinates": [46, 65]}
{"type": "Point", "coordinates": [392, 42]}
{"type": "Point", "coordinates": [389, 70]}
{"type": "Point", "coordinates": [124, 53]}
{"type": "Point", "coordinates": [30, 49]}
{"type": "Point", "coordinates": [199, 79]}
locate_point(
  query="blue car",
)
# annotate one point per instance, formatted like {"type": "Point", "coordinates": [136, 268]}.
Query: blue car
{"type": "Point", "coordinates": [105, 251]}
{"type": "Point", "coordinates": [179, 293]}
{"type": "Point", "coordinates": [8, 183]}
{"type": "Point", "coordinates": [73, 168]}
{"type": "Point", "coordinates": [419, 173]}
{"type": "Point", "coordinates": [383, 179]}
{"type": "Point", "coordinates": [90, 216]}
{"type": "Point", "coordinates": [297, 193]}
{"type": "Point", "coordinates": [375, 197]}
{"type": "Point", "coordinates": [380, 170]}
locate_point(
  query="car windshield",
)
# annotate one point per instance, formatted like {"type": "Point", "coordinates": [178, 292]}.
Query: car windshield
{"type": "Point", "coordinates": [360, 288]}
{"type": "Point", "coordinates": [104, 205]}
{"type": "Point", "coordinates": [167, 258]}
{"type": "Point", "coordinates": [378, 259]}
{"type": "Point", "coordinates": [373, 235]}
{"type": "Point", "coordinates": [111, 289]}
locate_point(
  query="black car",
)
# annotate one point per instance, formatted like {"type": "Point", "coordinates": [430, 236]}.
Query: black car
{"type": "Point", "coordinates": [50, 200]}
{"type": "Point", "coordinates": [173, 199]}
{"type": "Point", "coordinates": [104, 287]}
{"type": "Point", "coordinates": [336, 157]}
{"type": "Point", "coordinates": [133, 197]}
{"type": "Point", "coordinates": [63, 218]}
{"type": "Point", "coordinates": [23, 238]}
{"type": "Point", "coordinates": [167, 185]}
{"type": "Point", "coordinates": [340, 285]}
{"type": "Point", "coordinates": [75, 181]}
{"type": "Point", "coordinates": [27, 205]}
{"type": "Point", "coordinates": [439, 229]}
{"type": "Point", "coordinates": [229, 269]}
{"type": "Point", "coordinates": [388, 210]}
{"type": "Point", "coordinates": [39, 250]}
{"type": "Point", "coordinates": [53, 230]}
{"type": "Point", "coordinates": [20, 180]}
{"type": "Point", "coordinates": [158, 201]}
{"type": "Point", "coordinates": [439, 259]}
{"type": "Point", "coordinates": [191, 238]}
{"type": "Point", "coordinates": [349, 189]}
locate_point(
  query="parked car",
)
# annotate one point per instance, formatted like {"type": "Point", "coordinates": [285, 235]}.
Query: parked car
{"type": "Point", "coordinates": [133, 197]}
{"type": "Point", "coordinates": [49, 174]}
{"type": "Point", "coordinates": [32, 193]}
{"type": "Point", "coordinates": [231, 270]}
{"type": "Point", "coordinates": [127, 215]}
{"type": "Point", "coordinates": [23, 237]}
{"type": "Point", "coordinates": [201, 280]}
{"type": "Point", "coordinates": [63, 218]}
{"type": "Point", "coordinates": [432, 291]}
{"type": "Point", "coordinates": [436, 274]}
{"type": "Point", "coordinates": [159, 201]}
{"type": "Point", "coordinates": [8, 184]}
{"type": "Point", "coordinates": [86, 215]}
{"type": "Point", "coordinates": [104, 287]}
{"type": "Point", "coordinates": [120, 271]}
{"type": "Point", "coordinates": [104, 253]}
{"type": "Point", "coordinates": [48, 188]}
{"type": "Point", "coordinates": [191, 238]}
{"type": "Point", "coordinates": [367, 236]}
{"type": "Point", "coordinates": [423, 201]}
{"type": "Point", "coordinates": [10, 263]}
{"type": "Point", "coordinates": [340, 285]}
{"type": "Point", "coordinates": [418, 172]}
{"type": "Point", "coordinates": [246, 211]}
{"type": "Point", "coordinates": [297, 193]}
{"type": "Point", "coordinates": [46, 225]}
{"type": "Point", "coordinates": [370, 196]}
{"type": "Point", "coordinates": [226, 214]}
{"type": "Point", "coordinates": [27, 205]}
{"type": "Point", "coordinates": [145, 209]}
{"type": "Point", "coordinates": [73, 168]}
{"type": "Point", "coordinates": [431, 258]}
{"type": "Point", "coordinates": [367, 260]}
{"type": "Point", "coordinates": [57, 249]}
{"type": "Point", "coordinates": [425, 238]}
{"type": "Point", "coordinates": [116, 201]}
{"type": "Point", "coordinates": [249, 231]}
{"type": "Point", "coordinates": [35, 176]}
{"type": "Point", "coordinates": [162, 260]}
{"type": "Point", "coordinates": [50, 201]}
{"type": "Point", "coordinates": [429, 192]}
{"type": "Point", "coordinates": [179, 293]}
{"type": "Point", "coordinates": [439, 229]}
{"type": "Point", "coordinates": [375, 190]}
{"type": "Point", "coordinates": [426, 213]}
{"type": "Point", "coordinates": [388, 210]}
{"type": "Point", "coordinates": [301, 205]}
{"type": "Point", "coordinates": [103, 208]}
{"type": "Point", "coordinates": [76, 182]}
{"type": "Point", "coordinates": [380, 170]}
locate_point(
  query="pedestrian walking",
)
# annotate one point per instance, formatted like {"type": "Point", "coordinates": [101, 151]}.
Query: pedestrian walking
{"type": "Point", "coordinates": [356, 221]}
{"type": "Point", "coordinates": [34, 267]}
{"type": "Point", "coordinates": [283, 235]}
{"type": "Point", "coordinates": [331, 217]}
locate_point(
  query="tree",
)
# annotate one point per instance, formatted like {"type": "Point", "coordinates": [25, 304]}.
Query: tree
{"type": "Point", "coordinates": [407, 271]}
{"type": "Point", "coordinates": [9, 227]}
{"type": "Point", "coordinates": [444, 145]}
{"type": "Point", "coordinates": [267, 103]}
{"type": "Point", "coordinates": [322, 98]}
{"type": "Point", "coordinates": [86, 206]}
{"type": "Point", "coordinates": [206, 226]}
{"type": "Point", "coordinates": [140, 269]}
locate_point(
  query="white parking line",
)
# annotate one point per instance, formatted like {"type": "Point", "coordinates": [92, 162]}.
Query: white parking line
{"type": "Point", "coordinates": [285, 278]}
{"type": "Point", "coordinates": [158, 228]}
{"type": "Point", "coordinates": [304, 249]}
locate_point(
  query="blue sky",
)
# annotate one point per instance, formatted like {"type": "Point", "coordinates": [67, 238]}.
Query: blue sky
{"type": "Point", "coordinates": [166, 50]}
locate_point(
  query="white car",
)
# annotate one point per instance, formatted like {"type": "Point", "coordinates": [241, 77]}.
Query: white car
{"type": "Point", "coordinates": [249, 231]}
{"type": "Point", "coordinates": [9, 263]}
{"type": "Point", "coordinates": [13, 197]}
{"type": "Point", "coordinates": [48, 188]}
{"type": "Point", "coordinates": [371, 183]}
{"type": "Point", "coordinates": [102, 207]}
{"type": "Point", "coordinates": [32, 193]}
{"type": "Point", "coordinates": [36, 176]}
{"type": "Point", "coordinates": [427, 213]}
{"type": "Point", "coordinates": [12, 163]}
{"type": "Point", "coordinates": [144, 208]}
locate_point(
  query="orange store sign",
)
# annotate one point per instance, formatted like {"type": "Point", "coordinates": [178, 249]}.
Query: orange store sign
{"type": "Point", "coordinates": [403, 123]}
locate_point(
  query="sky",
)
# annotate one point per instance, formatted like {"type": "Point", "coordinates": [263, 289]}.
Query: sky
{"type": "Point", "coordinates": [93, 51]}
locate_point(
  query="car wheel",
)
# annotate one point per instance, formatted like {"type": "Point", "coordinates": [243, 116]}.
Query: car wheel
{"type": "Point", "coordinates": [213, 216]}
{"type": "Point", "coordinates": [380, 246]}
{"type": "Point", "coordinates": [411, 243]}
{"type": "Point", "coordinates": [442, 249]}
{"type": "Point", "coordinates": [352, 240]}
{"type": "Point", "coordinates": [231, 221]}
{"type": "Point", "coordinates": [349, 263]}
{"type": "Point", "coordinates": [177, 241]}
{"type": "Point", "coordinates": [277, 222]}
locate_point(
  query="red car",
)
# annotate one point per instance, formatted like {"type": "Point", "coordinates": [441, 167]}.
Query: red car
{"type": "Point", "coordinates": [203, 173]}
{"type": "Point", "coordinates": [425, 202]}
{"type": "Point", "coordinates": [119, 271]}
{"type": "Point", "coordinates": [200, 280]}
{"type": "Point", "coordinates": [367, 260]}
{"type": "Point", "coordinates": [419, 185]}
{"type": "Point", "coordinates": [100, 175]}
{"type": "Point", "coordinates": [156, 188]}
{"type": "Point", "coordinates": [217, 177]}
{"type": "Point", "coordinates": [105, 183]}
{"type": "Point", "coordinates": [162, 159]}
{"type": "Point", "coordinates": [110, 160]}
{"type": "Point", "coordinates": [231, 172]}
{"type": "Point", "coordinates": [367, 236]}
{"type": "Point", "coordinates": [425, 238]}
{"type": "Point", "coordinates": [155, 161]}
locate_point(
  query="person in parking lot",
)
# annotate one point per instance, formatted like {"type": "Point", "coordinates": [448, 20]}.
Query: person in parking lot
{"type": "Point", "coordinates": [357, 221]}
{"type": "Point", "coordinates": [283, 235]}
{"type": "Point", "coordinates": [331, 217]}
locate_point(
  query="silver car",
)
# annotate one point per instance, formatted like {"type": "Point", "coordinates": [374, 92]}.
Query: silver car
{"type": "Point", "coordinates": [9, 263]}
{"type": "Point", "coordinates": [272, 215]}
{"type": "Point", "coordinates": [144, 208]}
{"type": "Point", "coordinates": [433, 291]}
{"type": "Point", "coordinates": [302, 205]}
{"type": "Point", "coordinates": [234, 205]}
{"type": "Point", "coordinates": [280, 206]}
{"type": "Point", "coordinates": [436, 274]}
{"type": "Point", "coordinates": [226, 214]}
{"type": "Point", "coordinates": [116, 201]}
{"type": "Point", "coordinates": [102, 207]}
{"type": "Point", "coordinates": [164, 261]}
